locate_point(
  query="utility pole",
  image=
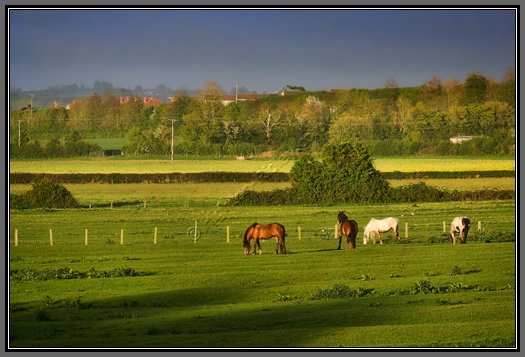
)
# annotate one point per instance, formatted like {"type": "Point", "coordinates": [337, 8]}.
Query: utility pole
{"type": "Point", "coordinates": [236, 91]}
{"type": "Point", "coordinates": [172, 121]}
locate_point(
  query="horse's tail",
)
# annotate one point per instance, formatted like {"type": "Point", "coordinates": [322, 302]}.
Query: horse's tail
{"type": "Point", "coordinates": [284, 232]}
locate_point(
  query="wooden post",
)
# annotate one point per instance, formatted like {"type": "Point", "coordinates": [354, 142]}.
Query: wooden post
{"type": "Point", "coordinates": [16, 237]}
{"type": "Point", "coordinates": [227, 234]}
{"type": "Point", "coordinates": [111, 205]}
{"type": "Point", "coordinates": [86, 237]}
{"type": "Point", "coordinates": [144, 203]}
{"type": "Point", "coordinates": [195, 234]}
{"type": "Point", "coordinates": [335, 231]}
{"type": "Point", "coordinates": [50, 236]}
{"type": "Point", "coordinates": [444, 227]}
{"type": "Point", "coordinates": [155, 236]}
{"type": "Point", "coordinates": [90, 206]}
{"type": "Point", "coordinates": [299, 232]}
{"type": "Point", "coordinates": [479, 226]}
{"type": "Point", "coordinates": [406, 230]}
{"type": "Point", "coordinates": [121, 237]}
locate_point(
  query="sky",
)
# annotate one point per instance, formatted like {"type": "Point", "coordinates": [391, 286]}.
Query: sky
{"type": "Point", "coordinates": [263, 50]}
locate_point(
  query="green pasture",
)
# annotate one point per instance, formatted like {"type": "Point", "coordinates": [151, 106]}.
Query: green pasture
{"type": "Point", "coordinates": [199, 290]}
{"type": "Point", "coordinates": [162, 194]}
{"type": "Point", "coordinates": [124, 165]}
{"type": "Point", "coordinates": [179, 280]}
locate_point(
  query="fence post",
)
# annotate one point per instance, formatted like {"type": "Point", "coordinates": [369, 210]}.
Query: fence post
{"type": "Point", "coordinates": [144, 203]}
{"type": "Point", "coordinates": [299, 232]}
{"type": "Point", "coordinates": [335, 231]}
{"type": "Point", "coordinates": [155, 236]}
{"type": "Point", "coordinates": [444, 227]}
{"type": "Point", "coordinates": [406, 230]}
{"type": "Point", "coordinates": [50, 236]}
{"type": "Point", "coordinates": [479, 226]}
{"type": "Point", "coordinates": [86, 237]}
{"type": "Point", "coordinates": [195, 234]}
{"type": "Point", "coordinates": [16, 237]}
{"type": "Point", "coordinates": [227, 234]}
{"type": "Point", "coordinates": [111, 205]}
{"type": "Point", "coordinates": [121, 237]}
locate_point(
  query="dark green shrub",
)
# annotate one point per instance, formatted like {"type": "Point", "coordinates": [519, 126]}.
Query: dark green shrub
{"type": "Point", "coordinates": [44, 194]}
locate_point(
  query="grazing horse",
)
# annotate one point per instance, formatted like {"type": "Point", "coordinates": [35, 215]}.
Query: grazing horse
{"type": "Point", "coordinates": [461, 225]}
{"type": "Point", "coordinates": [377, 226]}
{"type": "Point", "coordinates": [347, 228]}
{"type": "Point", "coordinates": [258, 231]}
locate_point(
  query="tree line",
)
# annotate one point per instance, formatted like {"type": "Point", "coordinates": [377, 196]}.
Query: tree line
{"type": "Point", "coordinates": [389, 121]}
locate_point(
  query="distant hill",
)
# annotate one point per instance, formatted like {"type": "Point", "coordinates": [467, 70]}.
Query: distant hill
{"type": "Point", "coordinates": [64, 94]}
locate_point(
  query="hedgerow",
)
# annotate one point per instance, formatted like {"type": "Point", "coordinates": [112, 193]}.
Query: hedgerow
{"type": "Point", "coordinates": [346, 174]}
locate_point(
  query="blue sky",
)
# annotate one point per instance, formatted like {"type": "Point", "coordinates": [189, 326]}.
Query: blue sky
{"type": "Point", "coordinates": [263, 50]}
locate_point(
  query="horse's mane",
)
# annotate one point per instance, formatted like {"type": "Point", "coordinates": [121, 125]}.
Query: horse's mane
{"type": "Point", "coordinates": [247, 230]}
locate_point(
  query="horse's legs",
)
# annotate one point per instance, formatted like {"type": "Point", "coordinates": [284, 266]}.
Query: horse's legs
{"type": "Point", "coordinates": [339, 246]}
{"type": "Point", "coordinates": [380, 241]}
{"type": "Point", "coordinates": [350, 240]}
{"type": "Point", "coordinates": [259, 245]}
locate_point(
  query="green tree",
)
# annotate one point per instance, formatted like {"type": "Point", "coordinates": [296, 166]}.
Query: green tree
{"type": "Point", "coordinates": [474, 89]}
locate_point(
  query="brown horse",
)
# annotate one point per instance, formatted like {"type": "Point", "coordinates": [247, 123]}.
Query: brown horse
{"type": "Point", "coordinates": [265, 231]}
{"type": "Point", "coordinates": [347, 228]}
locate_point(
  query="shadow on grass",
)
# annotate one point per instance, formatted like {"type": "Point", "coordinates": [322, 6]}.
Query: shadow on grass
{"type": "Point", "coordinates": [200, 317]}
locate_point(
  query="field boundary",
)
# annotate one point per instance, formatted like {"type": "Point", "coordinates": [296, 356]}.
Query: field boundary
{"type": "Point", "coordinates": [196, 177]}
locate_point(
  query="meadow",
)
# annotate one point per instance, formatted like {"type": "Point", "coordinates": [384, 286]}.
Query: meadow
{"type": "Point", "coordinates": [125, 165]}
{"type": "Point", "coordinates": [169, 286]}
{"type": "Point", "coordinates": [190, 290]}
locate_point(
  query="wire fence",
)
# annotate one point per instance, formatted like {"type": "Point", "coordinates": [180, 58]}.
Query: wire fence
{"type": "Point", "coordinates": [193, 231]}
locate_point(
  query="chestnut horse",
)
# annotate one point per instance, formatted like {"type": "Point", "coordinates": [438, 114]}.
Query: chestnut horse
{"type": "Point", "coordinates": [258, 231]}
{"type": "Point", "coordinates": [347, 228]}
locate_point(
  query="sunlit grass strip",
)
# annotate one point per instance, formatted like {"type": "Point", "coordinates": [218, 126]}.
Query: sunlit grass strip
{"type": "Point", "coordinates": [119, 165]}
{"type": "Point", "coordinates": [468, 184]}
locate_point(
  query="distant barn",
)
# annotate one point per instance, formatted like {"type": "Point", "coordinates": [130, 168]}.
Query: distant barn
{"type": "Point", "coordinates": [113, 152]}
{"type": "Point", "coordinates": [462, 138]}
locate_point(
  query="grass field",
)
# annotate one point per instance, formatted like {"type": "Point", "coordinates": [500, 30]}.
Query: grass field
{"type": "Point", "coordinates": [160, 194]}
{"type": "Point", "coordinates": [122, 165]}
{"type": "Point", "coordinates": [193, 289]}
{"type": "Point", "coordinates": [207, 294]}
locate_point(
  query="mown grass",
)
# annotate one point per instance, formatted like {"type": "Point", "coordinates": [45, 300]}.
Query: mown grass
{"type": "Point", "coordinates": [208, 294]}
{"type": "Point", "coordinates": [123, 165]}
{"type": "Point", "coordinates": [204, 292]}
{"type": "Point", "coordinates": [198, 291]}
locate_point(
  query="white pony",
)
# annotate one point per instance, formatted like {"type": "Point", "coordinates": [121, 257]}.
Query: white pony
{"type": "Point", "coordinates": [460, 225]}
{"type": "Point", "coordinates": [376, 226]}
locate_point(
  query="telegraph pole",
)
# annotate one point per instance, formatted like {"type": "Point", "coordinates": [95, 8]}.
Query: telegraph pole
{"type": "Point", "coordinates": [172, 121]}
